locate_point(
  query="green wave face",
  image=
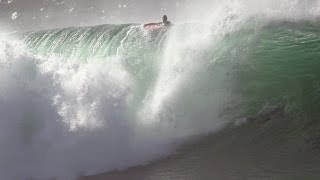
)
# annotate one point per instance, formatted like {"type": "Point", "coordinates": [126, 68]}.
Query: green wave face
{"type": "Point", "coordinates": [137, 49]}
{"type": "Point", "coordinates": [283, 63]}
{"type": "Point", "coordinates": [190, 80]}
{"type": "Point", "coordinates": [277, 63]}
{"type": "Point", "coordinates": [101, 41]}
{"type": "Point", "coordinates": [134, 46]}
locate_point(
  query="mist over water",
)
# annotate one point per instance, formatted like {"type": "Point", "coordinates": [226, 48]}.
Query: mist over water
{"type": "Point", "coordinates": [20, 15]}
{"type": "Point", "coordinates": [46, 14]}
{"type": "Point", "coordinates": [91, 99]}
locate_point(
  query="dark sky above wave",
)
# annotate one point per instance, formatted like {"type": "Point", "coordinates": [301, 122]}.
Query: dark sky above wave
{"type": "Point", "coordinates": [39, 14]}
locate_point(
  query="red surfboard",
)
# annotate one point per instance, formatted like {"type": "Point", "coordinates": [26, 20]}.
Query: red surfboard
{"type": "Point", "coordinates": [152, 26]}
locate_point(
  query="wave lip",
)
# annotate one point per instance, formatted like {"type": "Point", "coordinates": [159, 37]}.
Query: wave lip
{"type": "Point", "coordinates": [85, 100]}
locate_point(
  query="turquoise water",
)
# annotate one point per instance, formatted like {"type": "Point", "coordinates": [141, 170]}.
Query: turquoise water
{"type": "Point", "coordinates": [251, 68]}
{"type": "Point", "coordinates": [92, 99]}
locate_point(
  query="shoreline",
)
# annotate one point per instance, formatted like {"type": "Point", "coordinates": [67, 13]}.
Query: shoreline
{"type": "Point", "coordinates": [224, 156]}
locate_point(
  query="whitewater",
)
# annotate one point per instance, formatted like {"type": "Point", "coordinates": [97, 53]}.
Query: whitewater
{"type": "Point", "coordinates": [81, 101]}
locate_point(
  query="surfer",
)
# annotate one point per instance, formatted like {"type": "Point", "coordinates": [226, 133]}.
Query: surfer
{"type": "Point", "coordinates": [164, 22]}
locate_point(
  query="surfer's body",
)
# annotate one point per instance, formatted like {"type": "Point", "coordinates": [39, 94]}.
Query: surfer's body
{"type": "Point", "coordinates": [158, 25]}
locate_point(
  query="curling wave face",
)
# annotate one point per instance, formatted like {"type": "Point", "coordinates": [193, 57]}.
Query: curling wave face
{"type": "Point", "coordinates": [84, 100]}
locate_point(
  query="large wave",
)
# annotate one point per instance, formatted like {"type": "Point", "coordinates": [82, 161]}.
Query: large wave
{"type": "Point", "coordinates": [84, 100]}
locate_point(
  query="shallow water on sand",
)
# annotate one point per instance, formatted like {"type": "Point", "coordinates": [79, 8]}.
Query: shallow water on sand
{"type": "Point", "coordinates": [235, 154]}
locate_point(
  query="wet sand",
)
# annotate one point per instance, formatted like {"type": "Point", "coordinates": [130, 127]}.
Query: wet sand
{"type": "Point", "coordinates": [206, 163]}
{"type": "Point", "coordinates": [194, 162]}
{"type": "Point", "coordinates": [233, 154]}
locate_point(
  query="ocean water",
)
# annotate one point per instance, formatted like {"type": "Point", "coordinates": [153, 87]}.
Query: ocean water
{"type": "Point", "coordinates": [86, 100]}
